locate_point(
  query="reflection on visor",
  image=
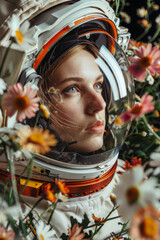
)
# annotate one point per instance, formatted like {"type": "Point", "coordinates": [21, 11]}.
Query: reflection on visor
{"type": "Point", "coordinates": [109, 75]}
{"type": "Point", "coordinates": [117, 72]}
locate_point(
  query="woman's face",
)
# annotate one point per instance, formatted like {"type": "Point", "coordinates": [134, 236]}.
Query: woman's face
{"type": "Point", "coordinates": [81, 110]}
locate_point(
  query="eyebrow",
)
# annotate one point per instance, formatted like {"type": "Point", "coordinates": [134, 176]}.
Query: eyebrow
{"type": "Point", "coordinates": [77, 79]}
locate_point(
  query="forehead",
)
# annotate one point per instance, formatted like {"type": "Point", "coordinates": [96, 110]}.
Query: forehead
{"type": "Point", "coordinates": [78, 65]}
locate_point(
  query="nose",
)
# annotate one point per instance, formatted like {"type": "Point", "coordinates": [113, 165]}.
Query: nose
{"type": "Point", "coordinates": [95, 103]}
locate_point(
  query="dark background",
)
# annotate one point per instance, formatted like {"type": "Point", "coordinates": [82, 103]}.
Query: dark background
{"type": "Point", "coordinates": [134, 27]}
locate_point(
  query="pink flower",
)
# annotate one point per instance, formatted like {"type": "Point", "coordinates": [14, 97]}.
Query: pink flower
{"type": "Point", "coordinates": [74, 233]}
{"type": "Point", "coordinates": [146, 105]}
{"type": "Point", "coordinates": [8, 235]}
{"type": "Point", "coordinates": [145, 59]}
{"type": "Point", "coordinates": [23, 101]}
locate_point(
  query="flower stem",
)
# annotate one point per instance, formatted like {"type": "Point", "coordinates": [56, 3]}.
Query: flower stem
{"type": "Point", "coordinates": [149, 127]}
{"type": "Point", "coordinates": [52, 212]}
{"type": "Point", "coordinates": [144, 33]}
{"type": "Point", "coordinates": [12, 171]}
{"type": "Point", "coordinates": [39, 200]}
{"type": "Point", "coordinates": [155, 35]}
{"type": "Point", "coordinates": [44, 212]}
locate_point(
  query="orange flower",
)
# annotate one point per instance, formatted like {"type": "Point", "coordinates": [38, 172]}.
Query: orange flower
{"type": "Point", "coordinates": [48, 192]}
{"type": "Point", "coordinates": [154, 128]}
{"type": "Point", "coordinates": [61, 185]}
{"type": "Point", "coordinates": [145, 224]}
{"type": "Point", "coordinates": [134, 162]}
{"type": "Point", "coordinates": [36, 139]}
{"type": "Point", "coordinates": [97, 219]}
{"type": "Point", "coordinates": [156, 113]}
{"type": "Point", "coordinates": [144, 22]}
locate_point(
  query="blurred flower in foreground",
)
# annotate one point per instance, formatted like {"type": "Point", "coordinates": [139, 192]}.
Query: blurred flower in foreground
{"type": "Point", "coordinates": [6, 235]}
{"type": "Point", "coordinates": [133, 192]}
{"type": "Point", "coordinates": [141, 12]}
{"type": "Point", "coordinates": [154, 162]}
{"type": "Point", "coordinates": [20, 33]}
{"type": "Point", "coordinates": [23, 101]}
{"type": "Point", "coordinates": [2, 86]}
{"type": "Point", "coordinates": [145, 224]}
{"type": "Point", "coordinates": [75, 232]}
{"type": "Point", "coordinates": [6, 211]}
{"type": "Point", "coordinates": [43, 231]}
{"type": "Point", "coordinates": [146, 59]}
{"type": "Point", "coordinates": [145, 106]}
{"type": "Point", "coordinates": [36, 139]}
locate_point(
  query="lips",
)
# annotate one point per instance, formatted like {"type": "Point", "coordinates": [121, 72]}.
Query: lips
{"type": "Point", "coordinates": [97, 127]}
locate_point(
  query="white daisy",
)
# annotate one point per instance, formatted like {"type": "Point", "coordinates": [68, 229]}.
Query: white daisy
{"type": "Point", "coordinates": [155, 162]}
{"type": "Point", "coordinates": [125, 17]}
{"type": "Point", "coordinates": [134, 192]}
{"type": "Point", "coordinates": [6, 211]}
{"type": "Point", "coordinates": [141, 12]}
{"type": "Point", "coordinates": [3, 86]}
{"type": "Point", "coordinates": [150, 79]}
{"type": "Point", "coordinates": [61, 197]}
{"type": "Point", "coordinates": [43, 231]}
{"type": "Point", "coordinates": [21, 32]}
{"type": "Point", "coordinates": [157, 20]}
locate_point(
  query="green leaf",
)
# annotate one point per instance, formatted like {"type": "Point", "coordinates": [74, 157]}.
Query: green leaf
{"type": "Point", "coordinates": [73, 221]}
{"type": "Point", "coordinates": [85, 221]}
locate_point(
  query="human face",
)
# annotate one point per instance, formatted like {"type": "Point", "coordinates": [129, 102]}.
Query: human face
{"type": "Point", "coordinates": [81, 111]}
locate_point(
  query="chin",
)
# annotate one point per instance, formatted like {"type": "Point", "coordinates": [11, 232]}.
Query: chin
{"type": "Point", "coordinates": [87, 146]}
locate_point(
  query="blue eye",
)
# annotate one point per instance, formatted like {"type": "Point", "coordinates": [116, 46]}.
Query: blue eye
{"type": "Point", "coordinates": [71, 90]}
{"type": "Point", "coordinates": [98, 86]}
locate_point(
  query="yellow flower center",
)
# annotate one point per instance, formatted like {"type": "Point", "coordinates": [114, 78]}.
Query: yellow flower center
{"type": "Point", "coordinates": [132, 195]}
{"type": "Point", "coordinates": [21, 102]}
{"type": "Point", "coordinates": [19, 36]}
{"type": "Point", "coordinates": [36, 138]}
{"type": "Point", "coordinates": [149, 227]}
{"type": "Point", "coordinates": [118, 121]}
{"type": "Point", "coordinates": [145, 62]}
{"type": "Point", "coordinates": [41, 236]}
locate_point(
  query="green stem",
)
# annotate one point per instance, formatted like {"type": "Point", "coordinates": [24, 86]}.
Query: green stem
{"type": "Point", "coordinates": [44, 212]}
{"type": "Point", "coordinates": [155, 35]}
{"type": "Point", "coordinates": [52, 212]}
{"type": "Point", "coordinates": [144, 33]}
{"type": "Point", "coordinates": [101, 222]}
{"type": "Point", "coordinates": [39, 200]}
{"type": "Point", "coordinates": [117, 6]}
{"type": "Point", "coordinates": [149, 127]}
{"type": "Point", "coordinates": [28, 176]}
{"type": "Point", "coordinates": [12, 171]}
